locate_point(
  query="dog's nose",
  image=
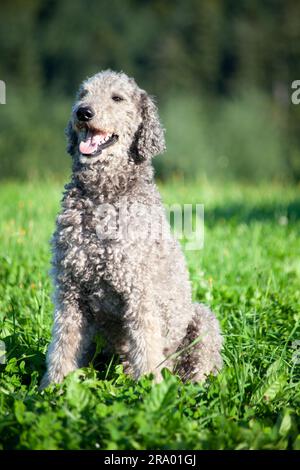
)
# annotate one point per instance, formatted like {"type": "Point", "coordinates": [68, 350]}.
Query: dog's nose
{"type": "Point", "coordinates": [84, 113]}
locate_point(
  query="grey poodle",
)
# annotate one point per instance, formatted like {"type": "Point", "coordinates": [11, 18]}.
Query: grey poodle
{"type": "Point", "coordinates": [112, 276]}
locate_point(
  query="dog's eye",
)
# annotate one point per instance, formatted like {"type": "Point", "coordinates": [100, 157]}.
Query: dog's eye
{"type": "Point", "coordinates": [117, 98]}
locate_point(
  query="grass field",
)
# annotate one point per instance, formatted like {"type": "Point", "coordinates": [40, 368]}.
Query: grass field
{"type": "Point", "coordinates": [248, 272]}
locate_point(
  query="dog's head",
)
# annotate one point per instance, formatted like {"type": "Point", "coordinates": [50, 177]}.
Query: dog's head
{"type": "Point", "coordinates": [113, 117]}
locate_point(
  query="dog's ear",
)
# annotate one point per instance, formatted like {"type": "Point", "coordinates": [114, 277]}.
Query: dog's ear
{"type": "Point", "coordinates": [72, 140]}
{"type": "Point", "coordinates": [149, 140]}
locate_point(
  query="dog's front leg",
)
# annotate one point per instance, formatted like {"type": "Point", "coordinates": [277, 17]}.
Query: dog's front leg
{"type": "Point", "coordinates": [145, 345]}
{"type": "Point", "coordinates": [71, 337]}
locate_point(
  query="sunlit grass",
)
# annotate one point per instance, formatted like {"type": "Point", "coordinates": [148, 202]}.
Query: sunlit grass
{"type": "Point", "coordinates": [248, 272]}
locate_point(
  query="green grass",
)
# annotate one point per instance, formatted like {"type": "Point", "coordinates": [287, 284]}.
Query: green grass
{"type": "Point", "coordinates": [248, 272]}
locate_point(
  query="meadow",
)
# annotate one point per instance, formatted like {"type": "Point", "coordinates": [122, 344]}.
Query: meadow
{"type": "Point", "coordinates": [248, 272]}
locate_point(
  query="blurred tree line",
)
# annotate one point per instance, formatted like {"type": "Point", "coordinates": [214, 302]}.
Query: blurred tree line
{"type": "Point", "coordinates": [221, 70]}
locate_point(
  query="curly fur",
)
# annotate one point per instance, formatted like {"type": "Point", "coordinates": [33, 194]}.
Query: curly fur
{"type": "Point", "coordinates": [131, 289]}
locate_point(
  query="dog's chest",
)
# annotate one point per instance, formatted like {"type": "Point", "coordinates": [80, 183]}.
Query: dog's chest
{"type": "Point", "coordinates": [87, 245]}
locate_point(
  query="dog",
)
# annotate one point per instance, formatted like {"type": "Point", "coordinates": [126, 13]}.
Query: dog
{"type": "Point", "coordinates": [131, 288]}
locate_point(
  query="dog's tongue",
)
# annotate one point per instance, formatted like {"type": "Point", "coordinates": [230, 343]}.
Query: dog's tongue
{"type": "Point", "coordinates": [91, 143]}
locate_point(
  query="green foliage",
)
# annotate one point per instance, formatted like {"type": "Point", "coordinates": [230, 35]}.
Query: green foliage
{"type": "Point", "coordinates": [224, 139]}
{"type": "Point", "coordinates": [249, 273]}
{"type": "Point", "coordinates": [230, 87]}
{"type": "Point", "coordinates": [32, 143]}
{"type": "Point", "coordinates": [214, 47]}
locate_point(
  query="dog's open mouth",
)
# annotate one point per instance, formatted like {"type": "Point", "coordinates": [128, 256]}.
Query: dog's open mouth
{"type": "Point", "coordinates": [96, 141]}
